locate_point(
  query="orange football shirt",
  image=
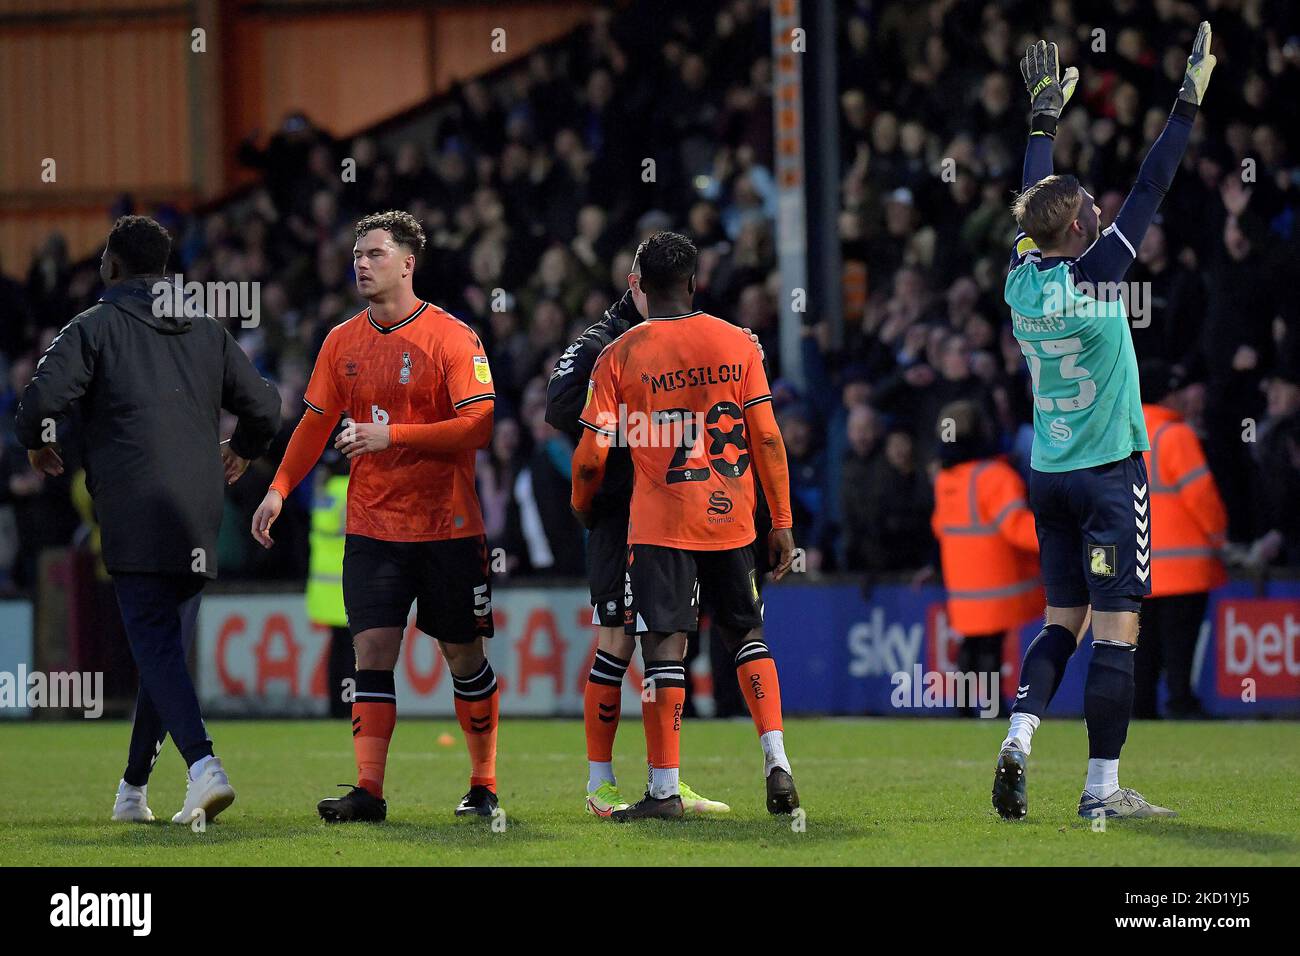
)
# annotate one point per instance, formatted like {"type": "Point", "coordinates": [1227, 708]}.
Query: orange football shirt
{"type": "Point", "coordinates": [419, 371]}
{"type": "Point", "coordinates": [674, 390]}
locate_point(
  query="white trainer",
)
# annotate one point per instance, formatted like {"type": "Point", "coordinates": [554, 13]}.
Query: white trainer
{"type": "Point", "coordinates": [1121, 803]}
{"type": "Point", "coordinates": [209, 794]}
{"type": "Point", "coordinates": [131, 805]}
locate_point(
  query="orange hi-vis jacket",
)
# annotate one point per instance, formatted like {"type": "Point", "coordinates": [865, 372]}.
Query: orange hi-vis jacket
{"type": "Point", "coordinates": [1188, 520]}
{"type": "Point", "coordinates": [988, 546]}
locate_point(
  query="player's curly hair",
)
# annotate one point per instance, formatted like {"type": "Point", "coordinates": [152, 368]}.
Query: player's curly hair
{"type": "Point", "coordinates": [404, 228]}
{"type": "Point", "coordinates": [667, 262]}
{"type": "Point", "coordinates": [1045, 210]}
{"type": "Point", "coordinates": [141, 244]}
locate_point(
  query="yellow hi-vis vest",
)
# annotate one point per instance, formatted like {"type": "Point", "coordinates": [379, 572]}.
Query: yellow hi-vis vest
{"type": "Point", "coordinates": [325, 568]}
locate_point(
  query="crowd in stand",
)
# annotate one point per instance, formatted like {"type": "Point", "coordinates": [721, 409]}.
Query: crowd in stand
{"type": "Point", "coordinates": [536, 182]}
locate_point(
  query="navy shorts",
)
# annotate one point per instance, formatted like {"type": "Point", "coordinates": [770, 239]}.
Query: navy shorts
{"type": "Point", "coordinates": [1094, 534]}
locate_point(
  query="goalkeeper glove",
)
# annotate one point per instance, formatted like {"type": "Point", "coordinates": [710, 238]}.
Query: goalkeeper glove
{"type": "Point", "coordinates": [1199, 66]}
{"type": "Point", "coordinates": [1048, 90]}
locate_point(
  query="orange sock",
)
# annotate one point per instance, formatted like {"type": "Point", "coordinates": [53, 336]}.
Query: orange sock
{"type": "Point", "coordinates": [756, 672]}
{"type": "Point", "coordinates": [477, 705]}
{"type": "Point", "coordinates": [651, 726]}
{"type": "Point", "coordinates": [601, 705]}
{"type": "Point", "coordinates": [663, 714]}
{"type": "Point", "coordinates": [374, 715]}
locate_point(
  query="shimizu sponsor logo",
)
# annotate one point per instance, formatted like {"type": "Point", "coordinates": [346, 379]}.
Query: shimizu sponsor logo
{"type": "Point", "coordinates": [719, 510]}
{"type": "Point", "coordinates": [77, 909]}
{"type": "Point", "coordinates": [934, 689]}
{"type": "Point", "coordinates": [175, 298]}
{"type": "Point", "coordinates": [67, 690]}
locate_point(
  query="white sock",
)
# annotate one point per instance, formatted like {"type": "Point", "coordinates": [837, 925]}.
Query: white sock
{"type": "Point", "coordinates": [1103, 778]}
{"type": "Point", "coordinates": [773, 743]}
{"type": "Point", "coordinates": [598, 773]}
{"type": "Point", "coordinates": [663, 782]}
{"type": "Point", "coordinates": [128, 788]}
{"type": "Point", "coordinates": [198, 766]}
{"type": "Point", "coordinates": [1021, 731]}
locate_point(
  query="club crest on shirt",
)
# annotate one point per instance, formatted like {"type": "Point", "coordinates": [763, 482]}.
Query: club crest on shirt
{"type": "Point", "coordinates": [481, 371]}
{"type": "Point", "coordinates": [405, 377]}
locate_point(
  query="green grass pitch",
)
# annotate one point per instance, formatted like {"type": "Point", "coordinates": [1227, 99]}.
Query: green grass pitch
{"type": "Point", "coordinates": [875, 791]}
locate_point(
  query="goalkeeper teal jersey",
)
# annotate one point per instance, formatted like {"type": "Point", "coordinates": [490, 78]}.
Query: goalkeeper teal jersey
{"type": "Point", "coordinates": [1075, 336]}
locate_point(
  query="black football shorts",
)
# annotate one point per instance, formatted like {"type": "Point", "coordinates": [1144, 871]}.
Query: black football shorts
{"type": "Point", "coordinates": [664, 587]}
{"type": "Point", "coordinates": [447, 580]}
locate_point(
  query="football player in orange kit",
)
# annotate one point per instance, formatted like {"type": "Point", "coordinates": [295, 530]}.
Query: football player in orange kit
{"type": "Point", "coordinates": [416, 391]}
{"type": "Point", "coordinates": [686, 392]}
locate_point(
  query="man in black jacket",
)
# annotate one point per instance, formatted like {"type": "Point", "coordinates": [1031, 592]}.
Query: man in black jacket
{"type": "Point", "coordinates": [151, 386]}
{"type": "Point", "coordinates": [566, 394]}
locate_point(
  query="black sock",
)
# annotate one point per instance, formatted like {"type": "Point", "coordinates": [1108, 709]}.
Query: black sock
{"type": "Point", "coordinates": [1042, 669]}
{"type": "Point", "coordinates": [1108, 698]}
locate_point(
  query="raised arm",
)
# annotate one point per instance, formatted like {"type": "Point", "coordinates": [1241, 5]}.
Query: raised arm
{"type": "Point", "coordinates": [1048, 93]}
{"type": "Point", "coordinates": [598, 420]}
{"type": "Point", "coordinates": [567, 388]}
{"type": "Point", "coordinates": [1109, 258]}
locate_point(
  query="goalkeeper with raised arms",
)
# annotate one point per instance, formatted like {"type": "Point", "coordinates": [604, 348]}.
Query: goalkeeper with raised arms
{"type": "Point", "coordinates": [1088, 483]}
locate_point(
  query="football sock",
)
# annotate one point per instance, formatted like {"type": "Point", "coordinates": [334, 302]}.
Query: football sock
{"type": "Point", "coordinates": [1042, 669]}
{"type": "Point", "coordinates": [477, 705]}
{"type": "Point", "coordinates": [662, 714]}
{"type": "Point", "coordinates": [1103, 778]}
{"type": "Point", "coordinates": [773, 743]}
{"type": "Point", "coordinates": [664, 782]}
{"type": "Point", "coordinates": [601, 707]}
{"type": "Point", "coordinates": [1021, 732]}
{"type": "Point", "coordinates": [1107, 706]}
{"type": "Point", "coordinates": [374, 715]}
{"type": "Point", "coordinates": [196, 768]}
{"type": "Point", "coordinates": [756, 674]}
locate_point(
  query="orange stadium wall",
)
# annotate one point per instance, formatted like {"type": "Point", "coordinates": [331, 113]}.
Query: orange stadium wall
{"type": "Point", "coordinates": [110, 91]}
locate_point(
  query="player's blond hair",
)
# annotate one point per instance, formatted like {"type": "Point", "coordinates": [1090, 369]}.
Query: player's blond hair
{"type": "Point", "coordinates": [1045, 210]}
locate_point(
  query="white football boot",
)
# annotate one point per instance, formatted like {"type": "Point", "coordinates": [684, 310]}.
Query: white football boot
{"type": "Point", "coordinates": [131, 805]}
{"type": "Point", "coordinates": [206, 796]}
{"type": "Point", "coordinates": [1121, 803]}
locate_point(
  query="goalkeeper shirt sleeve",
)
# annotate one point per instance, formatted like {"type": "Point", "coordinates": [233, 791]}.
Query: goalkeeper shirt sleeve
{"type": "Point", "coordinates": [1109, 258]}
